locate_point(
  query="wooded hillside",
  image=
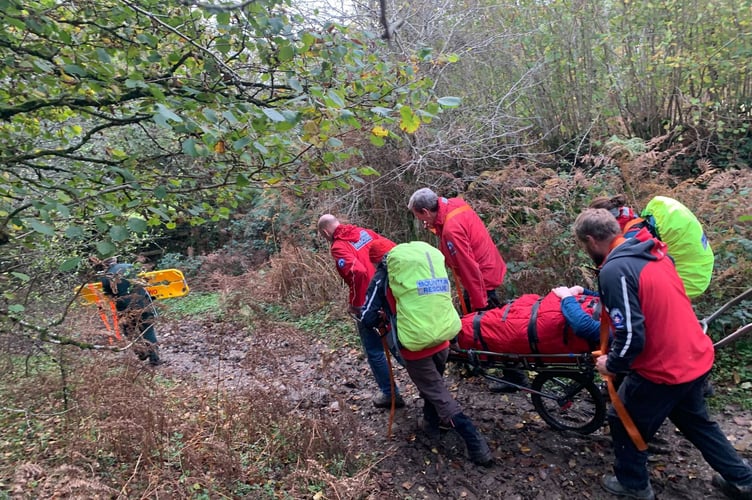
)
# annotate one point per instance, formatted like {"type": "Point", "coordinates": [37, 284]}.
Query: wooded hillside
{"type": "Point", "coordinates": [210, 137]}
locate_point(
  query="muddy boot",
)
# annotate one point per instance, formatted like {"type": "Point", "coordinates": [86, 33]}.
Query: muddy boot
{"type": "Point", "coordinates": [154, 359]}
{"type": "Point", "coordinates": [477, 447]}
{"type": "Point", "coordinates": [430, 423]}
{"type": "Point", "coordinates": [141, 349]}
{"type": "Point", "coordinates": [515, 377]}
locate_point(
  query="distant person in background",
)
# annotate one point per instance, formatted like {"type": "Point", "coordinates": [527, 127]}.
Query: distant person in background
{"type": "Point", "coordinates": [629, 222]}
{"type": "Point", "coordinates": [349, 248]}
{"type": "Point", "coordinates": [136, 311]}
{"type": "Point", "coordinates": [472, 256]}
{"type": "Point", "coordinates": [660, 347]}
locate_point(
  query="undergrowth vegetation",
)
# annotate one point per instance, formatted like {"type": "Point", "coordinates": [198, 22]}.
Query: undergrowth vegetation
{"type": "Point", "coordinates": [123, 432]}
{"type": "Point", "coordinates": [92, 422]}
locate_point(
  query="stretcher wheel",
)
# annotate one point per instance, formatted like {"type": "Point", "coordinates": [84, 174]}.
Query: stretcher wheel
{"type": "Point", "coordinates": [570, 401]}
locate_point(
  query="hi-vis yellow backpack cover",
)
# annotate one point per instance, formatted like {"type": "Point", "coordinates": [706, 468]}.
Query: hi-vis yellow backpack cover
{"type": "Point", "coordinates": [418, 278]}
{"type": "Point", "coordinates": [675, 224]}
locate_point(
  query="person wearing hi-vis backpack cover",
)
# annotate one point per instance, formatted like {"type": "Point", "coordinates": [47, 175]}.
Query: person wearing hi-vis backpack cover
{"type": "Point", "coordinates": [674, 224]}
{"type": "Point", "coordinates": [409, 299]}
{"type": "Point", "coordinates": [472, 256]}
{"type": "Point", "coordinates": [663, 352]}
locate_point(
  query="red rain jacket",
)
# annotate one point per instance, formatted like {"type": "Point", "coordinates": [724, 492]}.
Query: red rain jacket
{"type": "Point", "coordinates": [469, 250]}
{"type": "Point", "coordinates": [350, 247]}
{"type": "Point", "coordinates": [656, 332]}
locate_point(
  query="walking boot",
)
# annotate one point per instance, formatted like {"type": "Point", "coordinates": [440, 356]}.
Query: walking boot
{"type": "Point", "coordinates": [430, 423]}
{"type": "Point", "coordinates": [476, 444]}
{"type": "Point", "coordinates": [385, 401]}
{"type": "Point", "coordinates": [732, 490]}
{"type": "Point", "coordinates": [154, 359]}
{"type": "Point", "coordinates": [517, 377]}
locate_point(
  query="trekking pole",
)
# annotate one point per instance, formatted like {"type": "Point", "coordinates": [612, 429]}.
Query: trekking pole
{"type": "Point", "coordinates": [385, 346]}
{"type": "Point", "coordinates": [393, 407]}
{"type": "Point", "coordinates": [734, 336]}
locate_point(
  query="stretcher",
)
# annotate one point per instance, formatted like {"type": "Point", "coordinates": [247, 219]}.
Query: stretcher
{"type": "Point", "coordinates": [162, 284]}
{"type": "Point", "coordinates": [566, 390]}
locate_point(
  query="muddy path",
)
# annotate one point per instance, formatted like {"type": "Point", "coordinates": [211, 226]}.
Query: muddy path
{"type": "Point", "coordinates": [532, 460]}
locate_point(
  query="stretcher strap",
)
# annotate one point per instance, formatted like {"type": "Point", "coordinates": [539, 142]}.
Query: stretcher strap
{"type": "Point", "coordinates": [477, 335]}
{"type": "Point", "coordinates": [621, 410]}
{"type": "Point", "coordinates": [507, 308]}
{"type": "Point", "coordinates": [532, 327]}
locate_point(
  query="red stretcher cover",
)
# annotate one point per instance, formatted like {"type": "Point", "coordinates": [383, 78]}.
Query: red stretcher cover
{"type": "Point", "coordinates": [530, 324]}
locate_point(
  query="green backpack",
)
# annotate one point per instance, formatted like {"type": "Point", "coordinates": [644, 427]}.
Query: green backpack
{"type": "Point", "coordinates": [674, 224]}
{"type": "Point", "coordinates": [426, 316]}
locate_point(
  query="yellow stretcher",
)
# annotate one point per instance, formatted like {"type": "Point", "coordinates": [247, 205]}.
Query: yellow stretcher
{"type": "Point", "coordinates": [162, 284]}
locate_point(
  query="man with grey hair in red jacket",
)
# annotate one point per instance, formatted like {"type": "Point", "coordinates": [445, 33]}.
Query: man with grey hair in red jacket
{"type": "Point", "coordinates": [472, 256]}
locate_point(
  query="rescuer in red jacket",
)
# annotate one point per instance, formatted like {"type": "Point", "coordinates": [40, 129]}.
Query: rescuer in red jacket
{"type": "Point", "coordinates": [472, 256]}
{"type": "Point", "coordinates": [660, 347]}
{"type": "Point", "coordinates": [349, 248]}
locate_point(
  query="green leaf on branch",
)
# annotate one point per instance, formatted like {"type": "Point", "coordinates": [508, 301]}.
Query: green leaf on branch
{"type": "Point", "coordinates": [449, 101]}
{"type": "Point", "coordinates": [70, 264]}
{"type": "Point", "coordinates": [137, 225]}
{"type": "Point", "coordinates": [74, 232]}
{"type": "Point", "coordinates": [409, 120]}
{"type": "Point", "coordinates": [333, 100]}
{"type": "Point", "coordinates": [381, 111]}
{"type": "Point", "coordinates": [105, 248]}
{"type": "Point", "coordinates": [241, 180]}
{"type": "Point", "coordinates": [20, 276]}
{"type": "Point", "coordinates": [295, 84]}
{"type": "Point", "coordinates": [286, 53]}
{"type": "Point", "coordinates": [273, 114]}
{"type": "Point", "coordinates": [368, 171]}
{"type": "Point", "coordinates": [189, 147]}
{"type": "Point", "coordinates": [41, 227]}
{"type": "Point", "coordinates": [119, 233]}
{"type": "Point", "coordinates": [164, 114]}
{"type": "Point", "coordinates": [260, 148]}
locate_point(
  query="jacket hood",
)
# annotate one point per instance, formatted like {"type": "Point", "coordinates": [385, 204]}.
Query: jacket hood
{"type": "Point", "coordinates": [379, 248]}
{"type": "Point", "coordinates": [641, 247]}
{"type": "Point", "coordinates": [347, 232]}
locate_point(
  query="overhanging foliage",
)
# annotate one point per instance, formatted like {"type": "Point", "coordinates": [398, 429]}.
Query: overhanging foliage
{"type": "Point", "coordinates": [121, 116]}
